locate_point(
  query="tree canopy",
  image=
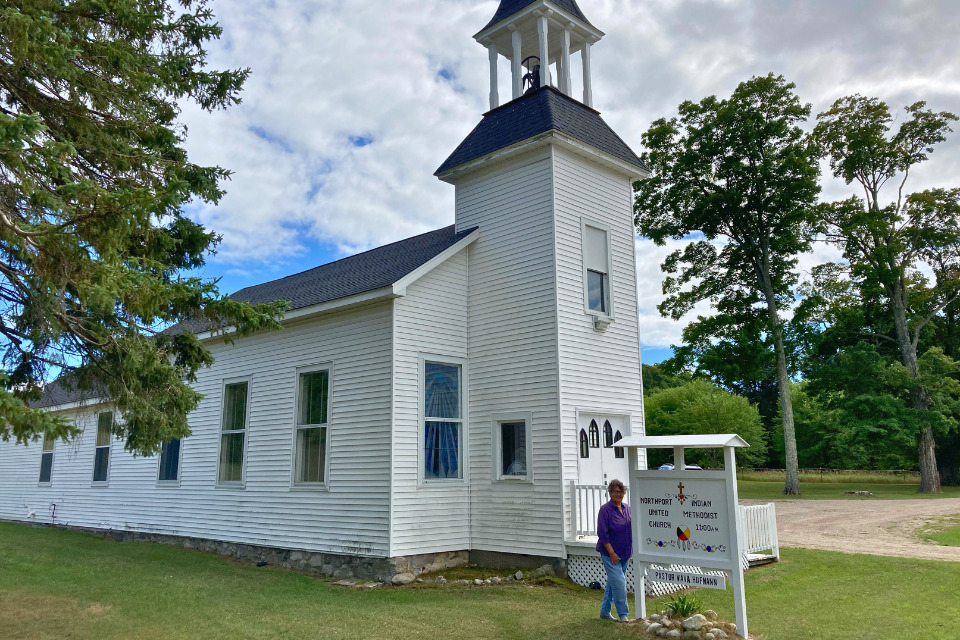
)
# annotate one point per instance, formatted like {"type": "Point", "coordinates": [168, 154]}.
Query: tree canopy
{"type": "Point", "coordinates": [94, 241]}
{"type": "Point", "coordinates": [887, 238]}
{"type": "Point", "coordinates": [738, 178]}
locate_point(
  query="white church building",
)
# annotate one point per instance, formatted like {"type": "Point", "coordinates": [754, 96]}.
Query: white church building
{"type": "Point", "coordinates": [430, 401]}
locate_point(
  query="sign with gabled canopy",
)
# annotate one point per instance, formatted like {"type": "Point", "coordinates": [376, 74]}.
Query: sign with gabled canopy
{"type": "Point", "coordinates": [686, 517]}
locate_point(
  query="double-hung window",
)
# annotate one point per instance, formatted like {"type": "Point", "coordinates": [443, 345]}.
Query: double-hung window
{"type": "Point", "coordinates": [46, 459]}
{"type": "Point", "coordinates": [442, 422]}
{"type": "Point", "coordinates": [596, 259]}
{"type": "Point", "coordinates": [313, 397]}
{"type": "Point", "coordinates": [233, 431]}
{"type": "Point", "coordinates": [513, 457]}
{"type": "Point", "coordinates": [169, 461]}
{"type": "Point", "coordinates": [101, 458]}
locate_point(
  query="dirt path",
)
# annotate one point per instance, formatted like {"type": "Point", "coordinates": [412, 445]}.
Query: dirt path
{"type": "Point", "coordinates": [877, 527]}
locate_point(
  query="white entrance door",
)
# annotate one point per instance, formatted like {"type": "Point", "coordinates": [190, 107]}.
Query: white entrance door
{"type": "Point", "coordinates": [601, 461]}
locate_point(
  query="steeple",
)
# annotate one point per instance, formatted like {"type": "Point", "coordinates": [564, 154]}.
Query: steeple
{"type": "Point", "coordinates": [533, 35]}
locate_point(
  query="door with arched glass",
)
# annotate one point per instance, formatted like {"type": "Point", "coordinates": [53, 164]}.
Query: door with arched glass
{"type": "Point", "coordinates": [598, 462]}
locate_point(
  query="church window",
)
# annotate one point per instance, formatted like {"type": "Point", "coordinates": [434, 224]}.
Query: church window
{"type": "Point", "coordinates": [233, 431]}
{"type": "Point", "coordinates": [594, 435]}
{"type": "Point", "coordinates": [46, 459]}
{"type": "Point", "coordinates": [442, 422]}
{"type": "Point", "coordinates": [596, 260]}
{"type": "Point", "coordinates": [584, 445]}
{"type": "Point", "coordinates": [607, 435]}
{"type": "Point", "coordinates": [313, 397]}
{"type": "Point", "coordinates": [101, 456]}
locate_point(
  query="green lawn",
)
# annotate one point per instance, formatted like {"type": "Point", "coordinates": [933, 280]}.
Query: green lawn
{"type": "Point", "coordinates": [946, 531]}
{"type": "Point", "coordinates": [764, 490]}
{"type": "Point", "coordinates": [62, 584]}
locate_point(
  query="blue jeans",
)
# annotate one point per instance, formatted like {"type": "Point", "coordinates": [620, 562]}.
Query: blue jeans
{"type": "Point", "coordinates": [616, 592]}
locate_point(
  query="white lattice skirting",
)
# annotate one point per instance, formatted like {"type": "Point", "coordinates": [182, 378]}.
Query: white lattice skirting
{"type": "Point", "coordinates": [586, 569]}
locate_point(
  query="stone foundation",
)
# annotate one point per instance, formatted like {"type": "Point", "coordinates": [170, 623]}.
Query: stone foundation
{"type": "Point", "coordinates": [317, 563]}
{"type": "Point", "coordinates": [500, 560]}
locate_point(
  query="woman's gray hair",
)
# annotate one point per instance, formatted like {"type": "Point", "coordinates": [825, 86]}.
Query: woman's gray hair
{"type": "Point", "coordinates": [615, 484]}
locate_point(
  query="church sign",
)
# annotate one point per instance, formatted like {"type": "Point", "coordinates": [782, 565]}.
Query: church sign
{"type": "Point", "coordinates": [685, 520]}
{"type": "Point", "coordinates": [685, 516]}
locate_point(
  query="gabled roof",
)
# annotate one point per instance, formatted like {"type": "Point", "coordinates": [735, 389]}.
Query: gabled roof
{"type": "Point", "coordinates": [509, 7]}
{"type": "Point", "coordinates": [536, 112]}
{"type": "Point", "coordinates": [360, 273]}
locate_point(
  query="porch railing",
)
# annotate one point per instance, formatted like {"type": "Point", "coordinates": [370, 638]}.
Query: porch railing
{"type": "Point", "coordinates": [757, 524]}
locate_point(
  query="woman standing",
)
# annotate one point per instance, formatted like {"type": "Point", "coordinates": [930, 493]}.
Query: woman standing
{"type": "Point", "coordinates": [615, 545]}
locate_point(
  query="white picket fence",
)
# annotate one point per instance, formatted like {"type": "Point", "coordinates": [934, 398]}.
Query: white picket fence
{"type": "Point", "coordinates": [757, 524]}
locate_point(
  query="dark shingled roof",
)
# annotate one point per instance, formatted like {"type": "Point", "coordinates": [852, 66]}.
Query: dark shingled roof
{"type": "Point", "coordinates": [534, 113]}
{"type": "Point", "coordinates": [62, 391]}
{"type": "Point", "coordinates": [374, 269]}
{"type": "Point", "coordinates": [509, 7]}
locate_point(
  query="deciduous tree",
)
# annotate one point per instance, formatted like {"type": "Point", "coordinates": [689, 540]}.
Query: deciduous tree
{"type": "Point", "coordinates": [738, 178]}
{"type": "Point", "coordinates": [887, 237]}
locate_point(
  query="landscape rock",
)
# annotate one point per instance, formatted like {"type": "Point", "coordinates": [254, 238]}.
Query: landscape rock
{"type": "Point", "coordinates": [711, 615]}
{"type": "Point", "coordinates": [694, 622]}
{"type": "Point", "coordinates": [441, 580]}
{"type": "Point", "coordinates": [495, 580]}
{"type": "Point", "coordinates": [654, 616]}
{"type": "Point", "coordinates": [719, 634]}
{"type": "Point", "coordinates": [691, 635]}
{"type": "Point", "coordinates": [710, 636]}
{"type": "Point", "coordinates": [478, 581]}
{"type": "Point", "coordinates": [345, 583]}
{"type": "Point", "coordinates": [402, 578]}
{"type": "Point", "coordinates": [653, 628]}
{"type": "Point", "coordinates": [518, 575]}
{"type": "Point", "coordinates": [673, 633]}
{"type": "Point", "coordinates": [545, 570]}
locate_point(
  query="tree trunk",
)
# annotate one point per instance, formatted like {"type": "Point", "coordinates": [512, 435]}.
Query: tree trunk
{"type": "Point", "coordinates": [948, 459]}
{"type": "Point", "coordinates": [929, 477]}
{"type": "Point", "coordinates": [792, 466]}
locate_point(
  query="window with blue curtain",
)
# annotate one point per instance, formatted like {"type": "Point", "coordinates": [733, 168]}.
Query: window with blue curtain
{"type": "Point", "coordinates": [443, 422]}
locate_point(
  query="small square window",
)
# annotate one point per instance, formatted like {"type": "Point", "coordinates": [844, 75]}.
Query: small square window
{"type": "Point", "coordinates": [514, 460]}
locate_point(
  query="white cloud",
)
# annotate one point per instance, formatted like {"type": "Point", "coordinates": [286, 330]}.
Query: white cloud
{"type": "Point", "coordinates": [326, 72]}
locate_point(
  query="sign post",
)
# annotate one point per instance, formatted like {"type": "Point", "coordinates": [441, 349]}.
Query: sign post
{"type": "Point", "coordinates": [686, 518]}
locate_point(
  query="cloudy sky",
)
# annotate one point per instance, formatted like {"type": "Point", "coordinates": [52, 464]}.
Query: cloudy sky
{"type": "Point", "coordinates": [353, 104]}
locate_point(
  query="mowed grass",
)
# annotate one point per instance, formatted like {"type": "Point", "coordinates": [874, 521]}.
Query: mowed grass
{"type": "Point", "coordinates": [63, 584]}
{"type": "Point", "coordinates": [773, 490]}
{"type": "Point", "coordinates": [945, 531]}
{"type": "Point", "coordinates": [830, 475]}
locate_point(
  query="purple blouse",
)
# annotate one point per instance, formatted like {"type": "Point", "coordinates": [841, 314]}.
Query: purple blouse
{"type": "Point", "coordinates": [614, 527]}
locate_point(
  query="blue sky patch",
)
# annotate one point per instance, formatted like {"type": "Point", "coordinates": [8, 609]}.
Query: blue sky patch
{"type": "Point", "coordinates": [361, 141]}
{"type": "Point", "coordinates": [265, 135]}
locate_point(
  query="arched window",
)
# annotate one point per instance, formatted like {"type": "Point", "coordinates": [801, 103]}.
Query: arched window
{"type": "Point", "coordinates": [594, 435]}
{"type": "Point", "coordinates": [607, 434]}
{"type": "Point", "coordinates": [618, 451]}
{"type": "Point", "coordinates": [584, 447]}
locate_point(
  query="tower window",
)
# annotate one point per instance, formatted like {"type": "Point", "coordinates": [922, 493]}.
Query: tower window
{"type": "Point", "coordinates": [596, 260]}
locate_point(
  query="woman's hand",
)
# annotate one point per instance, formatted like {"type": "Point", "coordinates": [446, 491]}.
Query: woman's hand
{"type": "Point", "coordinates": [614, 558]}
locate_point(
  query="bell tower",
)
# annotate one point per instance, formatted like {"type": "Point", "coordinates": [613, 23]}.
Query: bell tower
{"type": "Point", "coordinates": [551, 313]}
{"type": "Point", "coordinates": [535, 36]}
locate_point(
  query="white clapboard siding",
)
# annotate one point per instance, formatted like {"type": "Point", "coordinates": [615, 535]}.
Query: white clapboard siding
{"type": "Point", "coordinates": [431, 320]}
{"type": "Point", "coordinates": [598, 371]}
{"type": "Point", "coordinates": [351, 516]}
{"type": "Point", "coordinates": [513, 352]}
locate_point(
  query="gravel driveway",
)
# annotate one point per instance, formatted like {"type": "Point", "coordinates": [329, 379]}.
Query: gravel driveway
{"type": "Point", "coordinates": [878, 527]}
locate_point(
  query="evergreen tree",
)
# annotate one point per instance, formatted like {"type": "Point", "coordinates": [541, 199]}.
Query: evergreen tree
{"type": "Point", "coordinates": [93, 238]}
